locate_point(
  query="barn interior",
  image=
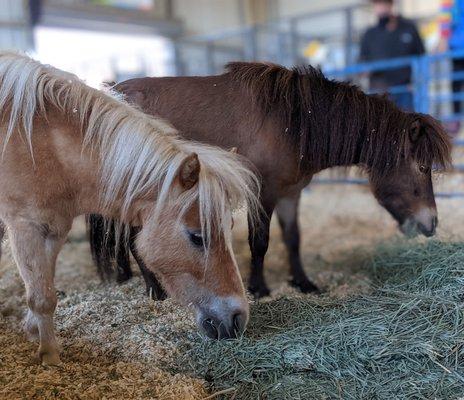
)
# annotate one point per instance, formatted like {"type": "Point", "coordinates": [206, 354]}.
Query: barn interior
{"type": "Point", "coordinates": [390, 321]}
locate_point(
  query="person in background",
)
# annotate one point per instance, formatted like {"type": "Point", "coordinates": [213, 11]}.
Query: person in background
{"type": "Point", "coordinates": [452, 38]}
{"type": "Point", "coordinates": [392, 37]}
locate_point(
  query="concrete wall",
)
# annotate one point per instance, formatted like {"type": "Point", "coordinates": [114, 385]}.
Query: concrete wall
{"type": "Point", "coordinates": [295, 7]}
{"type": "Point", "coordinates": [212, 16]}
{"type": "Point", "coordinates": [207, 16]}
{"type": "Point", "coordinates": [420, 7]}
{"type": "Point", "coordinates": [408, 7]}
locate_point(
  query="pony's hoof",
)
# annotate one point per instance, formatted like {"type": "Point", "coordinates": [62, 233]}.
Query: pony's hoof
{"type": "Point", "coordinates": [157, 293]}
{"type": "Point", "coordinates": [305, 286]}
{"type": "Point", "coordinates": [259, 290]}
{"type": "Point", "coordinates": [50, 359]}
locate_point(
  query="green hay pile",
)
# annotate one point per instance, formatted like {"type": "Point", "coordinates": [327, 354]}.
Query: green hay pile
{"type": "Point", "coordinates": [403, 341]}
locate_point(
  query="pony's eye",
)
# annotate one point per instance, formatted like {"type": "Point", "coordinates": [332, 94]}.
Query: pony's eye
{"type": "Point", "coordinates": [424, 169]}
{"type": "Point", "coordinates": [196, 238]}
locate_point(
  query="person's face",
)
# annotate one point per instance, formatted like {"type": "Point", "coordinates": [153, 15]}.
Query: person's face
{"type": "Point", "coordinates": [382, 9]}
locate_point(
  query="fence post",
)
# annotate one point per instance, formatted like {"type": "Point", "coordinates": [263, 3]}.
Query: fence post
{"type": "Point", "coordinates": [250, 38]}
{"type": "Point", "coordinates": [417, 83]}
{"type": "Point", "coordinates": [349, 36]}
{"type": "Point", "coordinates": [179, 69]}
{"type": "Point", "coordinates": [209, 49]}
{"type": "Point", "coordinates": [425, 77]}
{"type": "Point", "coordinates": [421, 83]}
{"type": "Point", "coordinates": [281, 47]}
{"type": "Point", "coordinates": [294, 40]}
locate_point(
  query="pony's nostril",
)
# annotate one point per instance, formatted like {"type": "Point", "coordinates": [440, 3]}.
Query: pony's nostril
{"type": "Point", "coordinates": [433, 226]}
{"type": "Point", "coordinates": [210, 328]}
{"type": "Point", "coordinates": [238, 323]}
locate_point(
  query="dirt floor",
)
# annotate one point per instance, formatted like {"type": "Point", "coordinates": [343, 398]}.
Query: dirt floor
{"type": "Point", "coordinates": [119, 344]}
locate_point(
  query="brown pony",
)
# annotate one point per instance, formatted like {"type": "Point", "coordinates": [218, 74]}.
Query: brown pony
{"type": "Point", "coordinates": [291, 124]}
{"type": "Point", "coordinates": [70, 150]}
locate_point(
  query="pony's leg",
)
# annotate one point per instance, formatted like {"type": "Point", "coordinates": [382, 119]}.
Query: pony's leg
{"type": "Point", "coordinates": [258, 239]}
{"type": "Point", "coordinates": [123, 262]}
{"type": "Point", "coordinates": [154, 288]}
{"type": "Point", "coordinates": [102, 245]}
{"type": "Point", "coordinates": [102, 239]}
{"type": "Point", "coordinates": [35, 249]}
{"type": "Point", "coordinates": [287, 213]}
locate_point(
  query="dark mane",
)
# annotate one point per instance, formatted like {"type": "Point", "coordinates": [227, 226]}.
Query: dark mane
{"type": "Point", "coordinates": [336, 124]}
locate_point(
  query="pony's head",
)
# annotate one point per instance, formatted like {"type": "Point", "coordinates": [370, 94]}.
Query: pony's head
{"type": "Point", "coordinates": [405, 186]}
{"type": "Point", "coordinates": [187, 244]}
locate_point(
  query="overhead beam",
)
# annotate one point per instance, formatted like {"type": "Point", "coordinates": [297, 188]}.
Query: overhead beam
{"type": "Point", "coordinates": [107, 19]}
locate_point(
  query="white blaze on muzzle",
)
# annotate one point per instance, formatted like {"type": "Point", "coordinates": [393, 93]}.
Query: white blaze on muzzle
{"type": "Point", "coordinates": [427, 217]}
{"type": "Point", "coordinates": [422, 221]}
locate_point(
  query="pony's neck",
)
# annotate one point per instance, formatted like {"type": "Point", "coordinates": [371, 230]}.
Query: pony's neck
{"type": "Point", "coordinates": [337, 151]}
{"type": "Point", "coordinates": [349, 154]}
{"type": "Point", "coordinates": [347, 127]}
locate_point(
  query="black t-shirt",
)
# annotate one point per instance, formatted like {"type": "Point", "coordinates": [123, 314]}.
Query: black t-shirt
{"type": "Point", "coordinates": [379, 43]}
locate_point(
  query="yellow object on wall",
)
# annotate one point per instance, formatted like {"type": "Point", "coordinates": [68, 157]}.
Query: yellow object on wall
{"type": "Point", "coordinates": [312, 49]}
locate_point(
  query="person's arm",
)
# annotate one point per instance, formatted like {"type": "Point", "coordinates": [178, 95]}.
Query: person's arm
{"type": "Point", "coordinates": [418, 47]}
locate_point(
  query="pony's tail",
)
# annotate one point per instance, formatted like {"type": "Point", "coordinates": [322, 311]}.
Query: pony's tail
{"type": "Point", "coordinates": [107, 249]}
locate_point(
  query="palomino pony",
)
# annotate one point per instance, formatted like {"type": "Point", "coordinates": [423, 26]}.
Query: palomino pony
{"type": "Point", "coordinates": [292, 124]}
{"type": "Point", "coordinates": [69, 150]}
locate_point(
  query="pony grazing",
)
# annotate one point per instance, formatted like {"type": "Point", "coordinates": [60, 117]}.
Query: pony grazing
{"type": "Point", "coordinates": [291, 124]}
{"type": "Point", "coordinates": [70, 150]}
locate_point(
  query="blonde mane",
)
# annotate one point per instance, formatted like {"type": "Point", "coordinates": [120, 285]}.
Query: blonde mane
{"type": "Point", "coordinates": [137, 153]}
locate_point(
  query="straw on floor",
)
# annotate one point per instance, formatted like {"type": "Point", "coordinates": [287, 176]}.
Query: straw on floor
{"type": "Point", "coordinates": [405, 340]}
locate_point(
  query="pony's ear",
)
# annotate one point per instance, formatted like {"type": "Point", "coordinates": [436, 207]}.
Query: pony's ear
{"type": "Point", "coordinates": [415, 131]}
{"type": "Point", "coordinates": [189, 171]}
{"type": "Point", "coordinates": [233, 150]}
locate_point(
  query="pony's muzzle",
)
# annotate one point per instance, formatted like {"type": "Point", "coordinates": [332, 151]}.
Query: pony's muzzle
{"type": "Point", "coordinates": [424, 221]}
{"type": "Point", "coordinates": [224, 320]}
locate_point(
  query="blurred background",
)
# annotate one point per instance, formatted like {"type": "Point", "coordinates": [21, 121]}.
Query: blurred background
{"type": "Point", "coordinates": [113, 40]}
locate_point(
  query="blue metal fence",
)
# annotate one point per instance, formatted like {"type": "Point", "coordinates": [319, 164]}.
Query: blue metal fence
{"type": "Point", "coordinates": [427, 71]}
{"type": "Point", "coordinates": [431, 82]}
